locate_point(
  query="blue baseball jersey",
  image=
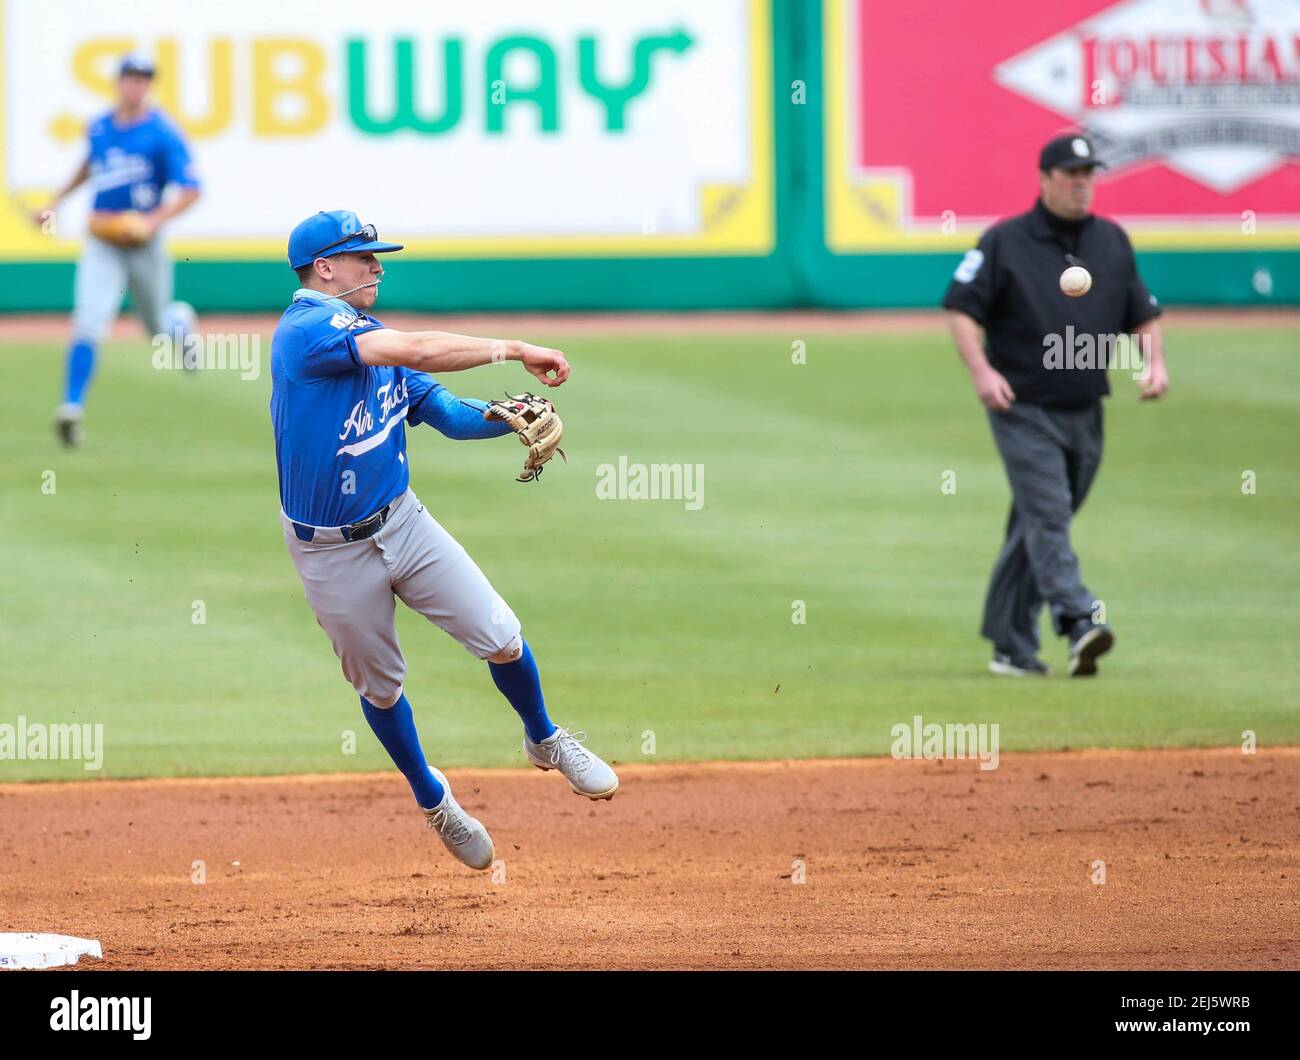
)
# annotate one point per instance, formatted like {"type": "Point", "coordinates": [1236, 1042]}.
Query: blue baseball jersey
{"type": "Point", "coordinates": [130, 167]}
{"type": "Point", "coordinates": [340, 424]}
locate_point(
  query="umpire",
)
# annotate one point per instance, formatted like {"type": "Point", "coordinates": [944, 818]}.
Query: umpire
{"type": "Point", "coordinates": [1045, 405]}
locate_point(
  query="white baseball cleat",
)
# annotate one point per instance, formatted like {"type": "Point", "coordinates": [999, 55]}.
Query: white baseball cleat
{"type": "Point", "coordinates": [69, 424]}
{"type": "Point", "coordinates": [461, 834]}
{"type": "Point", "coordinates": [587, 773]}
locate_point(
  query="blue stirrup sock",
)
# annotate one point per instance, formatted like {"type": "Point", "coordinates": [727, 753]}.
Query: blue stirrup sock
{"type": "Point", "coordinates": [395, 728]}
{"type": "Point", "coordinates": [520, 683]}
{"type": "Point", "coordinates": [80, 367]}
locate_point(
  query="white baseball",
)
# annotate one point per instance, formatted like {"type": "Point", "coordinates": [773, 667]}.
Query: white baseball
{"type": "Point", "coordinates": [1076, 281]}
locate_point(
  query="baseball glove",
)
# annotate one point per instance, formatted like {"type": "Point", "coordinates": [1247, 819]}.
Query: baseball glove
{"type": "Point", "coordinates": [534, 420]}
{"type": "Point", "coordinates": [123, 229]}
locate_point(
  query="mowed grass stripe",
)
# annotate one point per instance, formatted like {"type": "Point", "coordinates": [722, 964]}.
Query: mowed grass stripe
{"type": "Point", "coordinates": [822, 484]}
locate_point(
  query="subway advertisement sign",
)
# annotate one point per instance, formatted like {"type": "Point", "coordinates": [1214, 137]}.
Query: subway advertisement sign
{"type": "Point", "coordinates": [565, 130]}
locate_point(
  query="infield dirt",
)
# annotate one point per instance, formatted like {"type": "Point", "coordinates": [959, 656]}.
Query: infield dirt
{"type": "Point", "coordinates": [906, 865]}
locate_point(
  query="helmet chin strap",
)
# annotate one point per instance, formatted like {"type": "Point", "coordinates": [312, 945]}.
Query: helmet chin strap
{"type": "Point", "coordinates": [359, 287]}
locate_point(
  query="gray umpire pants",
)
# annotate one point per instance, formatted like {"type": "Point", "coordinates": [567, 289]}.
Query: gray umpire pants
{"type": "Point", "coordinates": [1051, 457]}
{"type": "Point", "coordinates": [352, 587]}
{"type": "Point", "coordinates": [105, 273]}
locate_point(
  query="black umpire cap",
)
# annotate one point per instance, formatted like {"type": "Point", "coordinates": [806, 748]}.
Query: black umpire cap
{"type": "Point", "coordinates": [1070, 151]}
{"type": "Point", "coordinates": [136, 63]}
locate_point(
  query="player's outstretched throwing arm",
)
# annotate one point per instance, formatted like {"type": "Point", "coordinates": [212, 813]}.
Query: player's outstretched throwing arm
{"type": "Point", "coordinates": [437, 352]}
{"type": "Point", "coordinates": [531, 418]}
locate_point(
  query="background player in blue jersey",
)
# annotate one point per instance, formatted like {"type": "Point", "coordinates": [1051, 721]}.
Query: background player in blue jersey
{"type": "Point", "coordinates": [135, 153]}
{"type": "Point", "coordinates": [344, 388]}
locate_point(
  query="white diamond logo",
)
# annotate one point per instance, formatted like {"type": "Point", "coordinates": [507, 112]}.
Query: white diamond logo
{"type": "Point", "coordinates": [1211, 88]}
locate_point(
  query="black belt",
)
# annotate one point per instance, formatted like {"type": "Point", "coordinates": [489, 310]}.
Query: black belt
{"type": "Point", "coordinates": [358, 531]}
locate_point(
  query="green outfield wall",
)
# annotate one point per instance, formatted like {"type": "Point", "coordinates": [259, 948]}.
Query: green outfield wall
{"type": "Point", "coordinates": [822, 223]}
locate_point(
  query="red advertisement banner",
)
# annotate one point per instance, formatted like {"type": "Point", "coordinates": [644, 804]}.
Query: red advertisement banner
{"type": "Point", "coordinates": [940, 108]}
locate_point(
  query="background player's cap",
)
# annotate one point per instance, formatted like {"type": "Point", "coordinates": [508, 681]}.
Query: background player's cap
{"type": "Point", "coordinates": [1070, 151]}
{"type": "Point", "coordinates": [136, 63]}
{"type": "Point", "coordinates": [333, 232]}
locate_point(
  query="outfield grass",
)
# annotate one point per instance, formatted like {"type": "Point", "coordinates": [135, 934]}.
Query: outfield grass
{"type": "Point", "coordinates": [822, 485]}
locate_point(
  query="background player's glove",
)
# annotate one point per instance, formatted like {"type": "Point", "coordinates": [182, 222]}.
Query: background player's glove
{"type": "Point", "coordinates": [125, 229]}
{"type": "Point", "coordinates": [534, 420]}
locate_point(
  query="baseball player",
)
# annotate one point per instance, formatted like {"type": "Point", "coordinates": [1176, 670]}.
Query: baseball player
{"type": "Point", "coordinates": [344, 389]}
{"type": "Point", "coordinates": [135, 153]}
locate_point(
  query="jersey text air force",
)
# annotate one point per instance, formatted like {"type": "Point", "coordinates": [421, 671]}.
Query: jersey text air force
{"type": "Point", "coordinates": [340, 437]}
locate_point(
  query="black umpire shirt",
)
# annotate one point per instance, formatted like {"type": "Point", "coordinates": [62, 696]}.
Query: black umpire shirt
{"type": "Point", "coordinates": [1010, 284]}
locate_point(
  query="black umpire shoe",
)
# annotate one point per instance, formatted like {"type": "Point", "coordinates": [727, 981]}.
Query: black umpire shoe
{"type": "Point", "coordinates": [1088, 643]}
{"type": "Point", "coordinates": [1004, 665]}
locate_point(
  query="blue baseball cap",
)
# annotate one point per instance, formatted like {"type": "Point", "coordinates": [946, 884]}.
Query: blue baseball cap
{"type": "Point", "coordinates": [136, 63]}
{"type": "Point", "coordinates": [333, 232]}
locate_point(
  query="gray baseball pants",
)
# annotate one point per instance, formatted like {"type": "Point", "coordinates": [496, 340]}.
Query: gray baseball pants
{"type": "Point", "coordinates": [1051, 456]}
{"type": "Point", "coordinates": [353, 586]}
{"type": "Point", "coordinates": [104, 275]}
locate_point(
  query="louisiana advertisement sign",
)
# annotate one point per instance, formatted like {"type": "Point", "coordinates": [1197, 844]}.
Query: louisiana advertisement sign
{"type": "Point", "coordinates": [936, 111]}
{"type": "Point", "coordinates": [507, 129]}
